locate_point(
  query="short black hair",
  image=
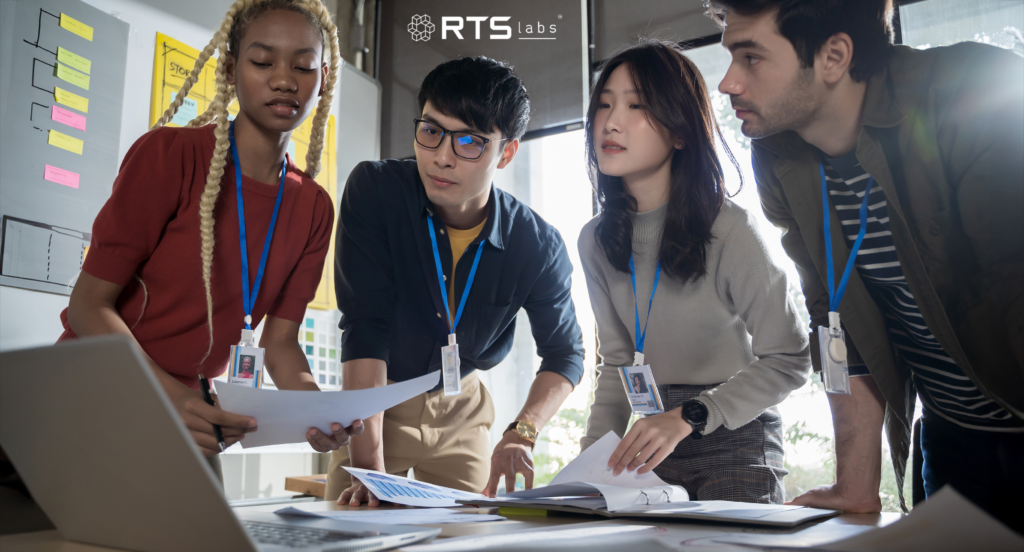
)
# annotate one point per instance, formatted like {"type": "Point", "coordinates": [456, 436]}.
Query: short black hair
{"type": "Point", "coordinates": [480, 91]}
{"type": "Point", "coordinates": [807, 24]}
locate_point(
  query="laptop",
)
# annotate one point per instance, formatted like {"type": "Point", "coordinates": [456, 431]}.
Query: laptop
{"type": "Point", "coordinates": [107, 458]}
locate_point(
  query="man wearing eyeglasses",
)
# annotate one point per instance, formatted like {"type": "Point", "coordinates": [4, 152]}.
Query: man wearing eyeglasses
{"type": "Point", "coordinates": [408, 230]}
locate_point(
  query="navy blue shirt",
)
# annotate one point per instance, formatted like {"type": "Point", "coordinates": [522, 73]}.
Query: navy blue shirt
{"type": "Point", "coordinates": [390, 299]}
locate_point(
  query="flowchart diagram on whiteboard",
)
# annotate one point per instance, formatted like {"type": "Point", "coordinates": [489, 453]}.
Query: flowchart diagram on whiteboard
{"type": "Point", "coordinates": [62, 72]}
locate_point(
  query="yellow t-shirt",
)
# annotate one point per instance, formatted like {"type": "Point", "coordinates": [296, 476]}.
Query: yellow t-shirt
{"type": "Point", "coordinates": [460, 240]}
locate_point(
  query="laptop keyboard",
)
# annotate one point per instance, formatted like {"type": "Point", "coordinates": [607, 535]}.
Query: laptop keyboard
{"type": "Point", "coordinates": [299, 537]}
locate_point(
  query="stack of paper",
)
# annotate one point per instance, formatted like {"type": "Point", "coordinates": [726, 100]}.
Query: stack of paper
{"type": "Point", "coordinates": [586, 485]}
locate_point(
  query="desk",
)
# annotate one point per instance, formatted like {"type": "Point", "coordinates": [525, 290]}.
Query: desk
{"type": "Point", "coordinates": [675, 535]}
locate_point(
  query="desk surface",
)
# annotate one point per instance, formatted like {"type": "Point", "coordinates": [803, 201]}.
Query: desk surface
{"type": "Point", "coordinates": [675, 535]}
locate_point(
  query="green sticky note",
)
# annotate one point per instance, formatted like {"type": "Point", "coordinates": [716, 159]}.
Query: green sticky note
{"type": "Point", "coordinates": [309, 337]}
{"type": "Point", "coordinates": [323, 352]}
{"type": "Point", "coordinates": [68, 74]}
{"type": "Point", "coordinates": [73, 60]}
{"type": "Point", "coordinates": [332, 353]}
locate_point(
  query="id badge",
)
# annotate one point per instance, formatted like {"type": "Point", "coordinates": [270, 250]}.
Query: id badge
{"type": "Point", "coordinates": [834, 372]}
{"type": "Point", "coordinates": [641, 390]}
{"type": "Point", "coordinates": [451, 368]}
{"type": "Point", "coordinates": [246, 366]}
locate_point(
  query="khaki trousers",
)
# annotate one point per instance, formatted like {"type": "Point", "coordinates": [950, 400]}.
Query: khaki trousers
{"type": "Point", "coordinates": [444, 440]}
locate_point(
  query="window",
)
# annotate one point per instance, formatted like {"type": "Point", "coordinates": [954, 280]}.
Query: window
{"type": "Point", "coordinates": [550, 176]}
{"type": "Point", "coordinates": [944, 22]}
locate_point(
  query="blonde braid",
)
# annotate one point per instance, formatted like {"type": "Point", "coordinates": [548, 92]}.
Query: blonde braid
{"type": "Point", "coordinates": [193, 77]}
{"type": "Point", "coordinates": [207, 202]}
{"type": "Point", "coordinates": [207, 116]}
{"type": "Point", "coordinates": [323, 109]}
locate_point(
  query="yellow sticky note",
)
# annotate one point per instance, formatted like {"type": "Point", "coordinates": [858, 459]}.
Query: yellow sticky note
{"type": "Point", "coordinates": [71, 100]}
{"type": "Point", "coordinates": [65, 142]}
{"type": "Point", "coordinates": [68, 74]}
{"type": "Point", "coordinates": [76, 26]}
{"type": "Point", "coordinates": [72, 59]}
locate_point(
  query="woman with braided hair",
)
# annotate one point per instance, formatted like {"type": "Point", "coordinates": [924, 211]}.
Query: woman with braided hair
{"type": "Point", "coordinates": [173, 261]}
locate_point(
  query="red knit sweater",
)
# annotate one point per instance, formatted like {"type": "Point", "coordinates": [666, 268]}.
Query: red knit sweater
{"type": "Point", "coordinates": [150, 227]}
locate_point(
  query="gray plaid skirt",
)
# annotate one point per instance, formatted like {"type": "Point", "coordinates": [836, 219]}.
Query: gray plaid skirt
{"type": "Point", "coordinates": [743, 465]}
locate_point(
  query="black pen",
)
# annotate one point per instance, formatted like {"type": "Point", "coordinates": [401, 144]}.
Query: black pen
{"type": "Point", "coordinates": [205, 384]}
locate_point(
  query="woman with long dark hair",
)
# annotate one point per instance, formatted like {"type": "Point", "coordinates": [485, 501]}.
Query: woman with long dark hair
{"type": "Point", "coordinates": [680, 280]}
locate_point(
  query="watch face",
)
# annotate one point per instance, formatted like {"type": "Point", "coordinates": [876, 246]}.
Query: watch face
{"type": "Point", "coordinates": [695, 412]}
{"type": "Point", "coordinates": [527, 431]}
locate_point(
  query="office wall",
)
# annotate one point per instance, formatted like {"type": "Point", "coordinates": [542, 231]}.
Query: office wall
{"type": "Point", "coordinates": [30, 318]}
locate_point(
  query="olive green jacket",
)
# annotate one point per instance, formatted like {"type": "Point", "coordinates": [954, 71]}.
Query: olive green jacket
{"type": "Point", "coordinates": [943, 135]}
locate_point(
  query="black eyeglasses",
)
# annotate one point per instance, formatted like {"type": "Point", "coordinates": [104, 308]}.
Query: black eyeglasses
{"type": "Point", "coordinates": [465, 144]}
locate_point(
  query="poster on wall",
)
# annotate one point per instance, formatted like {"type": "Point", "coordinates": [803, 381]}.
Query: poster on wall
{"type": "Point", "coordinates": [173, 63]}
{"type": "Point", "coordinates": [62, 74]}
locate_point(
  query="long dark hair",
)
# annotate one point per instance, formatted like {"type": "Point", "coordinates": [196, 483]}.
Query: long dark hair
{"type": "Point", "coordinates": [674, 94]}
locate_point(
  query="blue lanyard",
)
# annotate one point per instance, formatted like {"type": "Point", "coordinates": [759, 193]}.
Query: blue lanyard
{"type": "Point", "coordinates": [249, 299]}
{"type": "Point", "coordinates": [440, 277]}
{"type": "Point", "coordinates": [642, 337]}
{"type": "Point", "coordinates": [835, 296]}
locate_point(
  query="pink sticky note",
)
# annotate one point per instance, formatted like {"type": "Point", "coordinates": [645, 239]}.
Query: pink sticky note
{"type": "Point", "coordinates": [61, 176]}
{"type": "Point", "coordinates": [69, 118]}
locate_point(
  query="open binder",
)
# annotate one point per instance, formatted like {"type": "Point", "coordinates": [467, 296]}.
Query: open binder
{"type": "Point", "coordinates": [587, 486]}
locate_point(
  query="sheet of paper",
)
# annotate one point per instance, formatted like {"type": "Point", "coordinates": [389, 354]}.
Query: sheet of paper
{"type": "Point", "coordinates": [74, 60]}
{"type": "Point", "coordinates": [591, 466]}
{"type": "Point", "coordinates": [76, 26]}
{"type": "Point", "coordinates": [285, 416]}
{"type": "Point", "coordinates": [70, 99]}
{"type": "Point", "coordinates": [65, 142]}
{"type": "Point", "coordinates": [60, 176]}
{"type": "Point", "coordinates": [424, 516]}
{"type": "Point", "coordinates": [68, 74]}
{"type": "Point", "coordinates": [70, 118]}
{"type": "Point", "coordinates": [402, 490]}
{"type": "Point", "coordinates": [628, 537]}
{"type": "Point", "coordinates": [946, 522]}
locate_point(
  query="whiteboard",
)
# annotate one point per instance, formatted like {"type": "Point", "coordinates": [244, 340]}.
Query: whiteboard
{"type": "Point", "coordinates": [357, 105]}
{"type": "Point", "coordinates": [59, 158]}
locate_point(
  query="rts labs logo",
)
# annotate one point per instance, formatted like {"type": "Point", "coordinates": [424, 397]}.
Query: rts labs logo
{"type": "Point", "coordinates": [420, 28]}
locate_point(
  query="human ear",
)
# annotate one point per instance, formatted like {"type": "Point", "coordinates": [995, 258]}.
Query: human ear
{"type": "Point", "coordinates": [835, 57]}
{"type": "Point", "coordinates": [508, 153]}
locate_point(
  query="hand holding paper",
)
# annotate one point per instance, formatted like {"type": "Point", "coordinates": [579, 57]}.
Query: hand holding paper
{"type": "Point", "coordinates": [591, 466]}
{"type": "Point", "coordinates": [286, 416]}
{"type": "Point", "coordinates": [649, 442]}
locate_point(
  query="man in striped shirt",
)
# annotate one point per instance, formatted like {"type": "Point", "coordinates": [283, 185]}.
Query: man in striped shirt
{"type": "Point", "coordinates": [936, 301]}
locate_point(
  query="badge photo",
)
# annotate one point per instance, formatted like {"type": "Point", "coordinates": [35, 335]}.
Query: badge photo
{"type": "Point", "coordinates": [246, 366]}
{"type": "Point", "coordinates": [641, 389]}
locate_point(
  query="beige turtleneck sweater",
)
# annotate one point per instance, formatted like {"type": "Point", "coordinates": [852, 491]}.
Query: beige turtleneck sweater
{"type": "Point", "coordinates": [735, 327]}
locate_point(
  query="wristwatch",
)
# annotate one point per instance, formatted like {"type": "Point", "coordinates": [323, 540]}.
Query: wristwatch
{"type": "Point", "coordinates": [695, 414]}
{"type": "Point", "coordinates": [525, 430]}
